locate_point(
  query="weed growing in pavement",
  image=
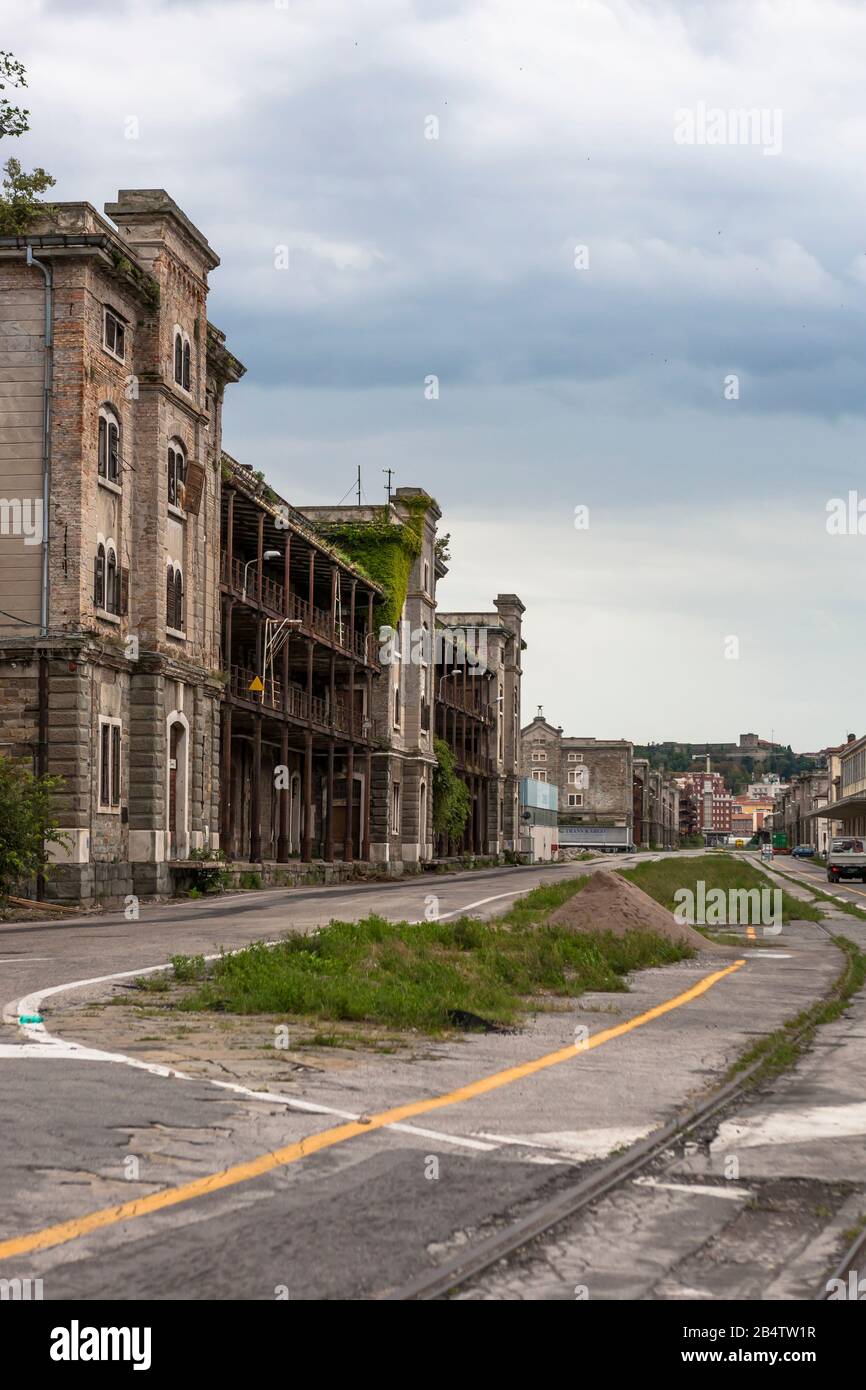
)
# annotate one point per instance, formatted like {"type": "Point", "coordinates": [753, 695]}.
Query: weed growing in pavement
{"type": "Point", "coordinates": [782, 1048]}
{"type": "Point", "coordinates": [421, 975]}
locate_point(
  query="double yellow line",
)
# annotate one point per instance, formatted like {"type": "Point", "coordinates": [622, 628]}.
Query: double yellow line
{"type": "Point", "coordinates": [314, 1143]}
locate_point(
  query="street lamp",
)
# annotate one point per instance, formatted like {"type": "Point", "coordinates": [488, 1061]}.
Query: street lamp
{"type": "Point", "coordinates": [268, 555]}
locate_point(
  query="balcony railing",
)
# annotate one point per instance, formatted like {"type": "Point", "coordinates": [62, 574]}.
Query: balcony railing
{"type": "Point", "coordinates": [316, 622]}
{"type": "Point", "coordinates": [298, 704]}
{"type": "Point", "coordinates": [469, 700]}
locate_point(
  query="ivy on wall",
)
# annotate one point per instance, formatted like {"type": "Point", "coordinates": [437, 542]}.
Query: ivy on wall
{"type": "Point", "coordinates": [450, 794]}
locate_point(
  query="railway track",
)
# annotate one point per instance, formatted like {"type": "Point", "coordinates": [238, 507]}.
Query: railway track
{"type": "Point", "coordinates": [460, 1271]}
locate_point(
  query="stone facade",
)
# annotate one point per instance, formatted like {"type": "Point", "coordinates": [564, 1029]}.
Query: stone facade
{"type": "Point", "coordinates": [120, 668]}
{"type": "Point", "coordinates": [594, 776]}
{"type": "Point", "coordinates": [193, 657]}
{"type": "Point", "coordinates": [485, 693]}
{"type": "Point", "coordinates": [403, 761]}
{"type": "Point", "coordinates": [602, 784]}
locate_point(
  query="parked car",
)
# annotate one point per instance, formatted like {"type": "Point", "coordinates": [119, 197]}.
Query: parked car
{"type": "Point", "coordinates": [802, 851]}
{"type": "Point", "coordinates": [847, 859]}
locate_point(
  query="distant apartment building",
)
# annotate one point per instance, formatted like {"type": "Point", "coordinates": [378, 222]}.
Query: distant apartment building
{"type": "Point", "coordinates": [689, 809]}
{"type": "Point", "coordinates": [769, 787]}
{"type": "Point", "coordinates": [713, 801]}
{"type": "Point", "coordinates": [749, 814]}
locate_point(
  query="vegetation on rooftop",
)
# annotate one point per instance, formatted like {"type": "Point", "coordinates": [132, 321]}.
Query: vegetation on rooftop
{"type": "Point", "coordinates": [384, 550]}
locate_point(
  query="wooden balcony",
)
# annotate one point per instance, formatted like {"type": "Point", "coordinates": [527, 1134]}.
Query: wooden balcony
{"type": "Point", "coordinates": [298, 706]}
{"type": "Point", "coordinates": [468, 699]}
{"type": "Point", "coordinates": [312, 621]}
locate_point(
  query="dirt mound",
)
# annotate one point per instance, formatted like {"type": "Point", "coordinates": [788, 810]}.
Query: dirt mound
{"type": "Point", "coordinates": [612, 903]}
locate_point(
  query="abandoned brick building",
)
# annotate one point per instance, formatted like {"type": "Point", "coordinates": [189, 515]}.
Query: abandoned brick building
{"type": "Point", "coordinates": [201, 663]}
{"type": "Point", "coordinates": [109, 645]}
{"type": "Point", "coordinates": [450, 676]}
{"type": "Point", "coordinates": [300, 650]}
{"type": "Point", "coordinates": [478, 716]}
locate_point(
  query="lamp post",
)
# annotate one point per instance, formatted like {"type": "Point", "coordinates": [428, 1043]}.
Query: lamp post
{"type": "Point", "coordinates": [268, 555]}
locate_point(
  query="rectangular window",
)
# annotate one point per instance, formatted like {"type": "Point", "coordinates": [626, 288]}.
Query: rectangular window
{"type": "Point", "coordinates": [395, 809]}
{"type": "Point", "coordinates": [115, 764]}
{"type": "Point", "coordinates": [539, 775]}
{"type": "Point", "coordinates": [104, 764]}
{"type": "Point", "coordinates": [575, 757]}
{"type": "Point", "coordinates": [539, 757]}
{"type": "Point", "coordinates": [114, 334]}
{"type": "Point", "coordinates": [110, 740]}
{"type": "Point", "coordinates": [575, 798]}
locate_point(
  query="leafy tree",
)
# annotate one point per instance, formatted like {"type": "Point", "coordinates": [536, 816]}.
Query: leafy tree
{"type": "Point", "coordinates": [20, 204]}
{"type": "Point", "coordinates": [13, 119]}
{"type": "Point", "coordinates": [450, 795]}
{"type": "Point", "coordinates": [27, 823]}
{"type": "Point", "coordinates": [19, 201]}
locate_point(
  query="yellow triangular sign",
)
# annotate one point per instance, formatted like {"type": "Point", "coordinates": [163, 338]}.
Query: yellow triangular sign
{"type": "Point", "coordinates": [256, 685]}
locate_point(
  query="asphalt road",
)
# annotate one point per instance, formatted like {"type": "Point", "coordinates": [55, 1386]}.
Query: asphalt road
{"type": "Point", "coordinates": [344, 1214]}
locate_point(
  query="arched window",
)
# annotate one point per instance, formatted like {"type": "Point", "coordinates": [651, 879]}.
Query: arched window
{"type": "Point", "coordinates": [108, 451]}
{"type": "Point", "coordinates": [186, 365]}
{"type": "Point", "coordinates": [169, 597]}
{"type": "Point", "coordinates": [176, 473]}
{"type": "Point", "coordinates": [112, 594]}
{"type": "Point", "coordinates": [99, 577]}
{"type": "Point", "coordinates": [178, 600]}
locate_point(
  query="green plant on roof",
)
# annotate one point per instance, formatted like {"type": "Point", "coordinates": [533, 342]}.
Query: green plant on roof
{"type": "Point", "coordinates": [385, 550]}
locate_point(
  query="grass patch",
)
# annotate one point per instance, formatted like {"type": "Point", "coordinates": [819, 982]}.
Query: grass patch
{"type": "Point", "coordinates": [662, 879]}
{"type": "Point", "coordinates": [416, 975]}
{"type": "Point", "coordinates": [783, 1048]}
{"type": "Point", "coordinates": [150, 984]}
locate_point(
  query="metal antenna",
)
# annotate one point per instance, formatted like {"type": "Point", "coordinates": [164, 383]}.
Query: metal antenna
{"type": "Point", "coordinates": [390, 473]}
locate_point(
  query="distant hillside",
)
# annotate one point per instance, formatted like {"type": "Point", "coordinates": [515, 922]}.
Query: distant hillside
{"type": "Point", "coordinates": [737, 772]}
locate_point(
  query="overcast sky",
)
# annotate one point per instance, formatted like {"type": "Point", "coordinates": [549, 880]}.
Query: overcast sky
{"type": "Point", "coordinates": [602, 384]}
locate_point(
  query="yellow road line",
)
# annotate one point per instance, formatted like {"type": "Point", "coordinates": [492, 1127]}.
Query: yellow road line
{"type": "Point", "coordinates": [280, 1158]}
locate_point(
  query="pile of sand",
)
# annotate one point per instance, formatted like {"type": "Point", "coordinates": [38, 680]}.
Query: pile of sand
{"type": "Point", "coordinates": [611, 903]}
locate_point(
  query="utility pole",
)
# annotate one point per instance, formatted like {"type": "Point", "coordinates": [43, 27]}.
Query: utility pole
{"type": "Point", "coordinates": [359, 484]}
{"type": "Point", "coordinates": [390, 473]}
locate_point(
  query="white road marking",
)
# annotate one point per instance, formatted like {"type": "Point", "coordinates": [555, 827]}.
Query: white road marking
{"type": "Point", "coordinates": [728, 1194]}
{"type": "Point", "coordinates": [480, 903]}
{"type": "Point", "coordinates": [574, 1144]}
{"type": "Point", "coordinates": [55, 1050]}
{"type": "Point", "coordinates": [793, 1126]}
{"type": "Point", "coordinates": [43, 1044]}
{"type": "Point", "coordinates": [22, 960]}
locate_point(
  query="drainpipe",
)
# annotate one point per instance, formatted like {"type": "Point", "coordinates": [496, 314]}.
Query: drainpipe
{"type": "Point", "coordinates": [42, 745]}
